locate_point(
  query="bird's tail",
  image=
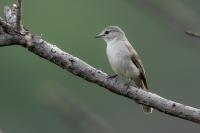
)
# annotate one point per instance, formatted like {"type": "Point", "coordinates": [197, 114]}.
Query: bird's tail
{"type": "Point", "coordinates": [146, 109]}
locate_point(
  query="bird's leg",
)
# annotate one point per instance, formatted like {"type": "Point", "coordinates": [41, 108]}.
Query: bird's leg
{"type": "Point", "coordinates": [112, 76]}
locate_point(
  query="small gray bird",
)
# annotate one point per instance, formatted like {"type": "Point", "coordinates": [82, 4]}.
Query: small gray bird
{"type": "Point", "coordinates": [124, 59]}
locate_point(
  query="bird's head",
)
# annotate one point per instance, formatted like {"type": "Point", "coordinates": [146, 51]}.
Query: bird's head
{"type": "Point", "coordinates": [110, 33]}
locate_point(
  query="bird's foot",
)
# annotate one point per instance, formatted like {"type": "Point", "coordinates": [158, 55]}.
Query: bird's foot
{"type": "Point", "coordinates": [128, 84]}
{"type": "Point", "coordinates": [112, 76]}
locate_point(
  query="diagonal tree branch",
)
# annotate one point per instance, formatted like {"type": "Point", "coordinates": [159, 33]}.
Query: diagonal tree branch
{"type": "Point", "coordinates": [9, 35]}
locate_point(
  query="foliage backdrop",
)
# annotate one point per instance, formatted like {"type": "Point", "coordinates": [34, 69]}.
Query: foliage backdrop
{"type": "Point", "coordinates": [36, 96]}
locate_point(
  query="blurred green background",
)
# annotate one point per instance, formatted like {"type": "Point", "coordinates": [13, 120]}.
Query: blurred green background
{"type": "Point", "coordinates": [37, 96]}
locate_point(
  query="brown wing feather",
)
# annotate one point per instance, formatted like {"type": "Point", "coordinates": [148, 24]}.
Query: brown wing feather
{"type": "Point", "coordinates": [141, 68]}
{"type": "Point", "coordinates": [136, 60]}
{"type": "Point", "coordinates": [142, 82]}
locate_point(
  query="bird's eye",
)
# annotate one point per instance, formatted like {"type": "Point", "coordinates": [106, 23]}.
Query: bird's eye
{"type": "Point", "coordinates": [106, 32]}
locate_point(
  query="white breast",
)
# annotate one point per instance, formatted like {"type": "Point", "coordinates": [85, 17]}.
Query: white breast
{"type": "Point", "coordinates": [120, 60]}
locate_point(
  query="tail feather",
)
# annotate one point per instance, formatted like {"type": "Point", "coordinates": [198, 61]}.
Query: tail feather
{"type": "Point", "coordinates": [146, 109]}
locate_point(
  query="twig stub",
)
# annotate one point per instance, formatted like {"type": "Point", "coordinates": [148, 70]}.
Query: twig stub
{"type": "Point", "coordinates": [193, 34]}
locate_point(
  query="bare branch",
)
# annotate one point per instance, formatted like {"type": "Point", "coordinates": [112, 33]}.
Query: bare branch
{"type": "Point", "coordinates": [18, 15]}
{"type": "Point", "coordinates": [13, 15]}
{"type": "Point", "coordinates": [4, 23]}
{"type": "Point", "coordinates": [40, 47]}
{"type": "Point", "coordinates": [193, 34]}
{"type": "Point", "coordinates": [80, 68]}
{"type": "Point", "coordinates": [8, 40]}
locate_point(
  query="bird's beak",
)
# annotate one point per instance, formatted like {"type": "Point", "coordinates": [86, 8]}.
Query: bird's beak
{"type": "Point", "coordinates": [99, 35]}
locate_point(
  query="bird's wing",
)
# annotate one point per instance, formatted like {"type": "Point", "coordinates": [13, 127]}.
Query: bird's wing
{"type": "Point", "coordinates": [138, 63]}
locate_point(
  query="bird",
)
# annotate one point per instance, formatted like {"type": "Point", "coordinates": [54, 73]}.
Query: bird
{"type": "Point", "coordinates": [124, 59]}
